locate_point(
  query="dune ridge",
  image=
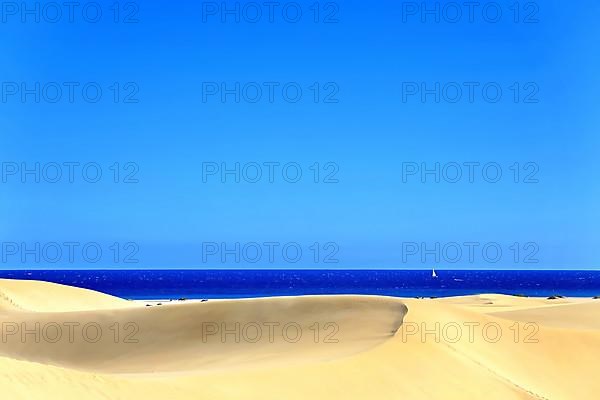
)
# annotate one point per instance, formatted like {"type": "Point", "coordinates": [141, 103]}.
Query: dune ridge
{"type": "Point", "coordinates": [352, 347]}
{"type": "Point", "coordinates": [125, 337]}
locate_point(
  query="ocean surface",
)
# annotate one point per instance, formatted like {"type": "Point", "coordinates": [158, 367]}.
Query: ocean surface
{"type": "Point", "coordinates": [214, 284]}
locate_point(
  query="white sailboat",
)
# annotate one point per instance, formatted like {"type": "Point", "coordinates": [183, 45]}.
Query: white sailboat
{"type": "Point", "coordinates": [433, 274]}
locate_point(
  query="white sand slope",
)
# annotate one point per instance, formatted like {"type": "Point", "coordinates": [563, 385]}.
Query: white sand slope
{"type": "Point", "coordinates": [351, 347]}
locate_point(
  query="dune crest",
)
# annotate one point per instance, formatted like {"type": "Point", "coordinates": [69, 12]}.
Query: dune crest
{"type": "Point", "coordinates": [39, 296]}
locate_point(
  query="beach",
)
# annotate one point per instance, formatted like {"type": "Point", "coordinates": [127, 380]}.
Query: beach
{"type": "Point", "coordinates": [64, 342]}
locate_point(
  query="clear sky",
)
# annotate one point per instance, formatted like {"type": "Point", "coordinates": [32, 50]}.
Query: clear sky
{"type": "Point", "coordinates": [200, 116]}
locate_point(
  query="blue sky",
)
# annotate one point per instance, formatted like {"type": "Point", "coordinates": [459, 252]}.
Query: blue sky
{"type": "Point", "coordinates": [164, 123]}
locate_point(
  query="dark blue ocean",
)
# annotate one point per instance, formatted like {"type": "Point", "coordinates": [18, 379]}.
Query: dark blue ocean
{"type": "Point", "coordinates": [212, 284]}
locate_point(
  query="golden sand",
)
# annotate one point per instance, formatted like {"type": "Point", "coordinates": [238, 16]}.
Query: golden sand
{"type": "Point", "coordinates": [60, 342]}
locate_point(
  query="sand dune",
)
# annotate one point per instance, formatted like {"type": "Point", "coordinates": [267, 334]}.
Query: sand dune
{"type": "Point", "coordinates": [192, 336]}
{"type": "Point", "coordinates": [51, 297]}
{"type": "Point", "coordinates": [351, 347]}
{"type": "Point", "coordinates": [569, 315]}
